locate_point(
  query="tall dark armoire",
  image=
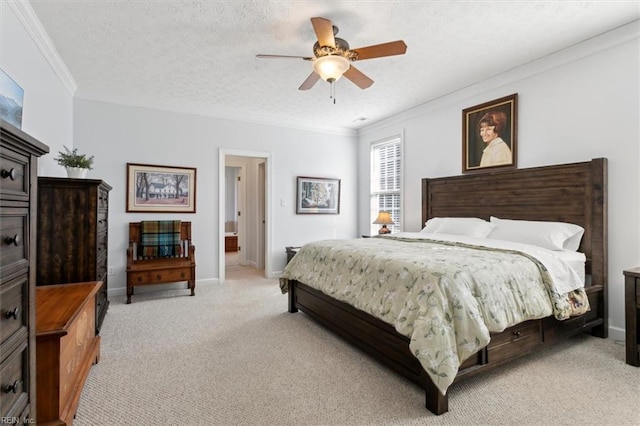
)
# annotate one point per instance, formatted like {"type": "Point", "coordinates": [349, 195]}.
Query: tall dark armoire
{"type": "Point", "coordinates": [73, 234]}
{"type": "Point", "coordinates": [19, 154]}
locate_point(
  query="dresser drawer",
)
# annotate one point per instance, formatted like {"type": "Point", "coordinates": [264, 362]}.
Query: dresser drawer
{"type": "Point", "coordinates": [14, 382]}
{"type": "Point", "coordinates": [169, 275]}
{"type": "Point", "coordinates": [138, 278]}
{"type": "Point", "coordinates": [13, 236]}
{"type": "Point", "coordinates": [13, 309]}
{"type": "Point", "coordinates": [159, 276]}
{"type": "Point", "coordinates": [101, 297]}
{"type": "Point", "coordinates": [14, 175]}
{"type": "Point", "coordinates": [516, 340]}
{"type": "Point", "coordinates": [103, 223]}
{"type": "Point", "coordinates": [101, 245]}
{"type": "Point", "coordinates": [103, 199]}
{"type": "Point", "coordinates": [555, 330]}
{"type": "Point", "coordinates": [101, 268]}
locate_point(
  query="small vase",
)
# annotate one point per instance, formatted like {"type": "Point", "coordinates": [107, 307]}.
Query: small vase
{"type": "Point", "coordinates": [76, 172]}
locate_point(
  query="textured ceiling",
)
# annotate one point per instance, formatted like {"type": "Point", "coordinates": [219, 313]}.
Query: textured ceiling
{"type": "Point", "coordinates": [199, 57]}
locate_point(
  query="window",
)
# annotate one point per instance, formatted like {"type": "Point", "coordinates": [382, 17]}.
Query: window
{"type": "Point", "coordinates": [386, 182]}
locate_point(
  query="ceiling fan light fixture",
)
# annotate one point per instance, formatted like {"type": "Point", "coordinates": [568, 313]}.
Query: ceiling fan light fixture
{"type": "Point", "coordinates": [331, 67]}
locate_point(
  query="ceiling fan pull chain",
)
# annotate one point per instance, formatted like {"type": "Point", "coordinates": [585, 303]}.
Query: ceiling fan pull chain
{"type": "Point", "coordinates": [332, 93]}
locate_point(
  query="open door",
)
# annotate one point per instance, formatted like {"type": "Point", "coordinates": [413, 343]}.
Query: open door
{"type": "Point", "coordinates": [253, 234]}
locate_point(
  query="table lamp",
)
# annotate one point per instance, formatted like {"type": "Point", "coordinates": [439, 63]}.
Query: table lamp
{"type": "Point", "coordinates": [384, 219]}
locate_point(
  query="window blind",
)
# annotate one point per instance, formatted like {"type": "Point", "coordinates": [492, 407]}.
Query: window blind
{"type": "Point", "coordinates": [386, 181]}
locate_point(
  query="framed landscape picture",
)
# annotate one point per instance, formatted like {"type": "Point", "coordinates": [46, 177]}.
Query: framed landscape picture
{"type": "Point", "coordinates": [318, 195]}
{"type": "Point", "coordinates": [11, 99]}
{"type": "Point", "coordinates": [489, 135]}
{"type": "Point", "coordinates": [161, 189]}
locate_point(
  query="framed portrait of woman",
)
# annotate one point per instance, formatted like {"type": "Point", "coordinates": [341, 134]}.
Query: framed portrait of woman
{"type": "Point", "coordinates": [489, 135]}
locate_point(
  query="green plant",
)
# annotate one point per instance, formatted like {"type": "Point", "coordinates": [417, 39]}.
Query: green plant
{"type": "Point", "coordinates": [71, 158]}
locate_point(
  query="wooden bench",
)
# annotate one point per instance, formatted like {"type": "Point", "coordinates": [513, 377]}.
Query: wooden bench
{"type": "Point", "coordinates": [143, 271]}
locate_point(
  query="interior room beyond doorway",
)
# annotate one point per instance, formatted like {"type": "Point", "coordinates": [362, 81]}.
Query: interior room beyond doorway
{"type": "Point", "coordinates": [244, 214]}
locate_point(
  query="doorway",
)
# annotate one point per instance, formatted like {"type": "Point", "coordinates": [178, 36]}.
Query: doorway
{"type": "Point", "coordinates": [234, 175]}
{"type": "Point", "coordinates": [244, 208]}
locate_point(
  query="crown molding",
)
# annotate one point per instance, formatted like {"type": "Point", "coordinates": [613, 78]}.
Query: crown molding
{"type": "Point", "coordinates": [220, 114]}
{"type": "Point", "coordinates": [627, 33]}
{"type": "Point", "coordinates": [32, 24]}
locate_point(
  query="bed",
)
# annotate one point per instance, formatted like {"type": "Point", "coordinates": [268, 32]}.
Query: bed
{"type": "Point", "coordinates": [573, 193]}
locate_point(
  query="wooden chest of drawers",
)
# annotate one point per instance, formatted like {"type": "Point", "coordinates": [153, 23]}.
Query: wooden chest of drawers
{"type": "Point", "coordinates": [73, 226]}
{"type": "Point", "coordinates": [18, 197]}
{"type": "Point", "coordinates": [67, 346]}
{"type": "Point", "coordinates": [632, 313]}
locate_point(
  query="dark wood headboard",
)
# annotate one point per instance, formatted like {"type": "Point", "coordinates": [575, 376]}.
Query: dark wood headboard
{"type": "Point", "coordinates": [574, 193]}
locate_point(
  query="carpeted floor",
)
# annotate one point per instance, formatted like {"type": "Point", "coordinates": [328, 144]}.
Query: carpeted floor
{"type": "Point", "coordinates": [233, 355]}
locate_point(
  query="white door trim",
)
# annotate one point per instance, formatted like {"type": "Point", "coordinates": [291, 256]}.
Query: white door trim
{"type": "Point", "coordinates": [222, 157]}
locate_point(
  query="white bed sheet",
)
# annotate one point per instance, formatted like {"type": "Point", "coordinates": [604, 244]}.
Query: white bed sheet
{"type": "Point", "coordinates": [576, 260]}
{"type": "Point", "coordinates": [565, 278]}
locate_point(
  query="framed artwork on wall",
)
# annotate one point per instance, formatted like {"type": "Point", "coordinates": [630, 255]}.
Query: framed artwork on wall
{"type": "Point", "coordinates": [489, 135]}
{"type": "Point", "coordinates": [11, 99]}
{"type": "Point", "coordinates": [161, 189]}
{"type": "Point", "coordinates": [318, 195]}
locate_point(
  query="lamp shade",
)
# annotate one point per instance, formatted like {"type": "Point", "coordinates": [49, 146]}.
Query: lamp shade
{"type": "Point", "coordinates": [331, 67]}
{"type": "Point", "coordinates": [384, 218]}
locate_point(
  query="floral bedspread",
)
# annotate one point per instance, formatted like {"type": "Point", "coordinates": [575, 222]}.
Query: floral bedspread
{"type": "Point", "coordinates": [445, 296]}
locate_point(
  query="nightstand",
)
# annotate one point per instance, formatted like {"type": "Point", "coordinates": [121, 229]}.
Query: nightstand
{"type": "Point", "coordinates": [291, 251]}
{"type": "Point", "coordinates": [631, 309]}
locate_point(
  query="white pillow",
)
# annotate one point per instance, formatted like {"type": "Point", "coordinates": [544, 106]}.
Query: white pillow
{"type": "Point", "coordinates": [550, 235]}
{"type": "Point", "coordinates": [467, 226]}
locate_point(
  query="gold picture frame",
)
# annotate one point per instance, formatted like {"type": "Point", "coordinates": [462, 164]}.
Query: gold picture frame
{"type": "Point", "coordinates": [489, 135]}
{"type": "Point", "coordinates": [160, 189]}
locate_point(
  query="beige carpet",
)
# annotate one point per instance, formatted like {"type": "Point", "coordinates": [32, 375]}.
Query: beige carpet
{"type": "Point", "coordinates": [233, 355]}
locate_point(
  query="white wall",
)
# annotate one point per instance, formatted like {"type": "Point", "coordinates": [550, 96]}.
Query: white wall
{"type": "Point", "coordinates": [47, 113]}
{"type": "Point", "coordinates": [118, 134]}
{"type": "Point", "coordinates": [579, 104]}
{"type": "Point", "coordinates": [573, 106]}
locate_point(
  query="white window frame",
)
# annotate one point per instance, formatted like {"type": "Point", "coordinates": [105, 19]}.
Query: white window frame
{"type": "Point", "coordinates": [398, 216]}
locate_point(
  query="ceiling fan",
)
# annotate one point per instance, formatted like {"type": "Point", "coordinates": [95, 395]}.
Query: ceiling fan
{"type": "Point", "coordinates": [333, 58]}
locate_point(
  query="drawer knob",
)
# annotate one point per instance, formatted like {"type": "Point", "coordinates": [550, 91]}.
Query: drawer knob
{"type": "Point", "coordinates": [12, 388]}
{"type": "Point", "coordinates": [11, 174]}
{"type": "Point", "coordinates": [159, 277]}
{"type": "Point", "coordinates": [12, 314]}
{"type": "Point", "coordinates": [517, 333]}
{"type": "Point", "coordinates": [15, 240]}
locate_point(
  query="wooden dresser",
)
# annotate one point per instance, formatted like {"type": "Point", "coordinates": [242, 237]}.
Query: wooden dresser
{"type": "Point", "coordinates": [632, 313]}
{"type": "Point", "coordinates": [73, 238]}
{"type": "Point", "coordinates": [18, 197]}
{"type": "Point", "coordinates": [67, 347]}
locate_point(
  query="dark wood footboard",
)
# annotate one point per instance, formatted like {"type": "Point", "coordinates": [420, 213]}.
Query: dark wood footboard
{"type": "Point", "coordinates": [385, 344]}
{"type": "Point", "coordinates": [368, 333]}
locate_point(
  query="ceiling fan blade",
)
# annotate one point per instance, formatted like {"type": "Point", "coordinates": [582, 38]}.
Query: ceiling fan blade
{"type": "Point", "coordinates": [358, 78]}
{"type": "Point", "coordinates": [324, 31]}
{"type": "Point", "coordinates": [379, 50]}
{"type": "Point", "coordinates": [306, 58]}
{"type": "Point", "coordinates": [310, 81]}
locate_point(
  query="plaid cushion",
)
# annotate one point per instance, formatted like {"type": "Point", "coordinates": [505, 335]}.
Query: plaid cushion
{"type": "Point", "coordinates": [160, 238]}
